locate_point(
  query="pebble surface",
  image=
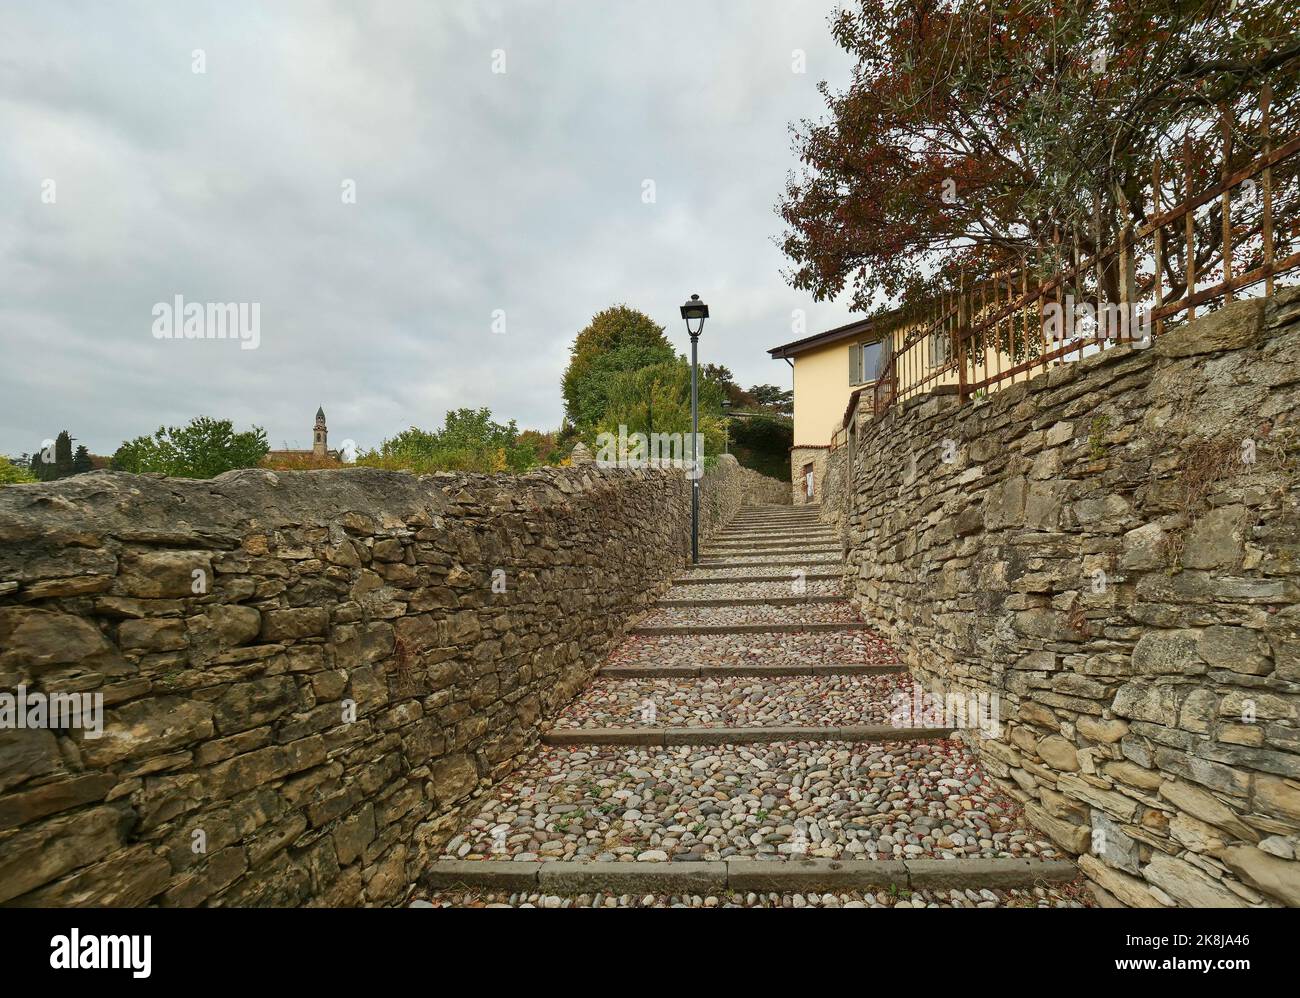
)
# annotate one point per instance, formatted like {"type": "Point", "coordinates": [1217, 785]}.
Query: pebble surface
{"type": "Point", "coordinates": [737, 701]}
{"type": "Point", "coordinates": [766, 613]}
{"type": "Point", "coordinates": [776, 801]}
{"type": "Point", "coordinates": [785, 799]}
{"type": "Point", "coordinates": [784, 589]}
{"type": "Point", "coordinates": [779, 559]}
{"type": "Point", "coordinates": [858, 647]}
{"type": "Point", "coordinates": [780, 573]}
{"type": "Point", "coordinates": [1064, 896]}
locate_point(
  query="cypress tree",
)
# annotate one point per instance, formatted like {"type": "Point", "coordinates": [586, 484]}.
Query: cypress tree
{"type": "Point", "coordinates": [81, 462]}
{"type": "Point", "coordinates": [63, 455]}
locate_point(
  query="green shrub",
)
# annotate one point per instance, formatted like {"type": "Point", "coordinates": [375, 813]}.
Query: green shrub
{"type": "Point", "coordinates": [204, 448]}
{"type": "Point", "coordinates": [469, 440]}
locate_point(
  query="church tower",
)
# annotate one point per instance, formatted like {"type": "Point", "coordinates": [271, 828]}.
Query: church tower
{"type": "Point", "coordinates": [319, 434]}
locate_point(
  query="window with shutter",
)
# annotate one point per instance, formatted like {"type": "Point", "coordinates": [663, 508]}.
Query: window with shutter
{"type": "Point", "coordinates": [870, 360]}
{"type": "Point", "coordinates": [855, 364]}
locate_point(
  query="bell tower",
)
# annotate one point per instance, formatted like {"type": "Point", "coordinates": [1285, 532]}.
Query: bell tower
{"type": "Point", "coordinates": [319, 434]}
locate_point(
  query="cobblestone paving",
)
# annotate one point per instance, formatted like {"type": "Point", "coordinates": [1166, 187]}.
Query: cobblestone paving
{"type": "Point", "coordinates": [727, 616]}
{"type": "Point", "coordinates": [777, 801]}
{"type": "Point", "coordinates": [1067, 896]}
{"type": "Point", "coordinates": [802, 799]}
{"type": "Point", "coordinates": [795, 560]}
{"type": "Point", "coordinates": [782, 589]}
{"type": "Point", "coordinates": [737, 701]}
{"type": "Point", "coordinates": [782, 573]}
{"type": "Point", "coordinates": [765, 649]}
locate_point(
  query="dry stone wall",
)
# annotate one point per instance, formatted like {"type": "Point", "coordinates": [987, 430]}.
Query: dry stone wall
{"type": "Point", "coordinates": [1113, 550]}
{"type": "Point", "coordinates": [304, 675]}
{"type": "Point", "coordinates": [727, 486]}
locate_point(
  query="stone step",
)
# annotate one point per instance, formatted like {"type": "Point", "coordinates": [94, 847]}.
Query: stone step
{"type": "Point", "coordinates": [839, 800]}
{"type": "Point", "coordinates": [827, 701]}
{"type": "Point", "coordinates": [825, 625]}
{"type": "Point", "coordinates": [762, 543]}
{"type": "Point", "coordinates": [778, 669]}
{"type": "Point", "coordinates": [763, 614]}
{"type": "Point", "coordinates": [782, 523]}
{"type": "Point", "coordinates": [710, 553]}
{"type": "Point", "coordinates": [758, 653]}
{"type": "Point", "coordinates": [777, 530]}
{"type": "Point", "coordinates": [718, 876]}
{"type": "Point", "coordinates": [1064, 895]}
{"type": "Point", "coordinates": [687, 603]}
{"type": "Point", "coordinates": [704, 579]}
{"type": "Point", "coordinates": [781, 587]}
{"type": "Point", "coordinates": [773, 560]}
{"type": "Point", "coordinates": [668, 735]}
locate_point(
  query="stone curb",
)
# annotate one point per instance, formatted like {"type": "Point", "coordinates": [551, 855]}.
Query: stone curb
{"type": "Point", "coordinates": [564, 877]}
{"type": "Point", "coordinates": [670, 878]}
{"type": "Point", "coordinates": [925, 874]}
{"type": "Point", "coordinates": [821, 625]}
{"type": "Point", "coordinates": [751, 601]}
{"type": "Point", "coordinates": [740, 736]}
{"type": "Point", "coordinates": [701, 671]}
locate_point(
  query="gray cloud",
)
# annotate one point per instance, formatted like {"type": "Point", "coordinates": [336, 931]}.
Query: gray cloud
{"type": "Point", "coordinates": [475, 192]}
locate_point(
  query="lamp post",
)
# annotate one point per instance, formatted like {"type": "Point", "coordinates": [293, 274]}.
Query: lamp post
{"type": "Point", "coordinates": [695, 312]}
{"type": "Point", "coordinates": [726, 426]}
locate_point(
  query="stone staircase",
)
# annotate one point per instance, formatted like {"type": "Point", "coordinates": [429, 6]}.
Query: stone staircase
{"type": "Point", "coordinates": [737, 750]}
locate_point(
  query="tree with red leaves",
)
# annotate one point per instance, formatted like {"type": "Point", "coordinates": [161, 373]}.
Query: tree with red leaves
{"type": "Point", "coordinates": [972, 134]}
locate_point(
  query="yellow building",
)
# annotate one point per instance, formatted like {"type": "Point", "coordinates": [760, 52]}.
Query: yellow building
{"type": "Point", "coordinates": [829, 368]}
{"type": "Point", "coordinates": [901, 354]}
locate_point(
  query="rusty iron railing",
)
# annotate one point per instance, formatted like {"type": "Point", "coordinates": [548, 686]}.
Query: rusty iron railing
{"type": "Point", "coordinates": [985, 334]}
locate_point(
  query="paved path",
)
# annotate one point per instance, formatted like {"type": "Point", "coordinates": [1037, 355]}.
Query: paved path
{"type": "Point", "coordinates": [738, 749]}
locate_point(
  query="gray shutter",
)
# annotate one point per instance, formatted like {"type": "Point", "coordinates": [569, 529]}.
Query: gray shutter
{"type": "Point", "coordinates": [855, 363]}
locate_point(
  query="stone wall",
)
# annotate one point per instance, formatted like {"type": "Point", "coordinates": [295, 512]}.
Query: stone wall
{"type": "Point", "coordinates": [727, 486]}
{"type": "Point", "coordinates": [305, 675]}
{"type": "Point", "coordinates": [1098, 555]}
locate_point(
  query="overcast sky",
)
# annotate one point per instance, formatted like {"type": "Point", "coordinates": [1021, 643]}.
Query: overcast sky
{"type": "Point", "coordinates": [476, 191]}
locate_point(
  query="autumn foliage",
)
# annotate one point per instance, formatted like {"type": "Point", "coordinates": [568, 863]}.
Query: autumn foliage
{"type": "Point", "coordinates": [973, 133]}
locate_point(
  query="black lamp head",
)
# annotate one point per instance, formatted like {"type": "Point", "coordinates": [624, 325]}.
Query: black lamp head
{"type": "Point", "coordinates": [695, 311]}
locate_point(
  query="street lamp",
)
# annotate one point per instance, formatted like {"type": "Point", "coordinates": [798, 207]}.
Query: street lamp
{"type": "Point", "coordinates": [726, 426]}
{"type": "Point", "coordinates": [695, 312]}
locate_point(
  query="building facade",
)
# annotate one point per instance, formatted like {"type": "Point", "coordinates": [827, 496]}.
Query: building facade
{"type": "Point", "coordinates": [829, 368]}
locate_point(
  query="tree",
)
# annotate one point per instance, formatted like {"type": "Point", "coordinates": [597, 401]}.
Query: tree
{"type": "Point", "coordinates": [469, 440]}
{"type": "Point", "coordinates": [616, 340]}
{"type": "Point", "coordinates": [15, 471]}
{"type": "Point", "coordinates": [204, 448]}
{"type": "Point", "coordinates": [779, 400]}
{"type": "Point", "coordinates": [657, 399]}
{"type": "Point", "coordinates": [763, 443]}
{"type": "Point", "coordinates": [972, 134]}
{"type": "Point", "coordinates": [81, 462]}
{"type": "Point", "coordinates": [63, 455]}
{"type": "Point", "coordinates": [737, 396]}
